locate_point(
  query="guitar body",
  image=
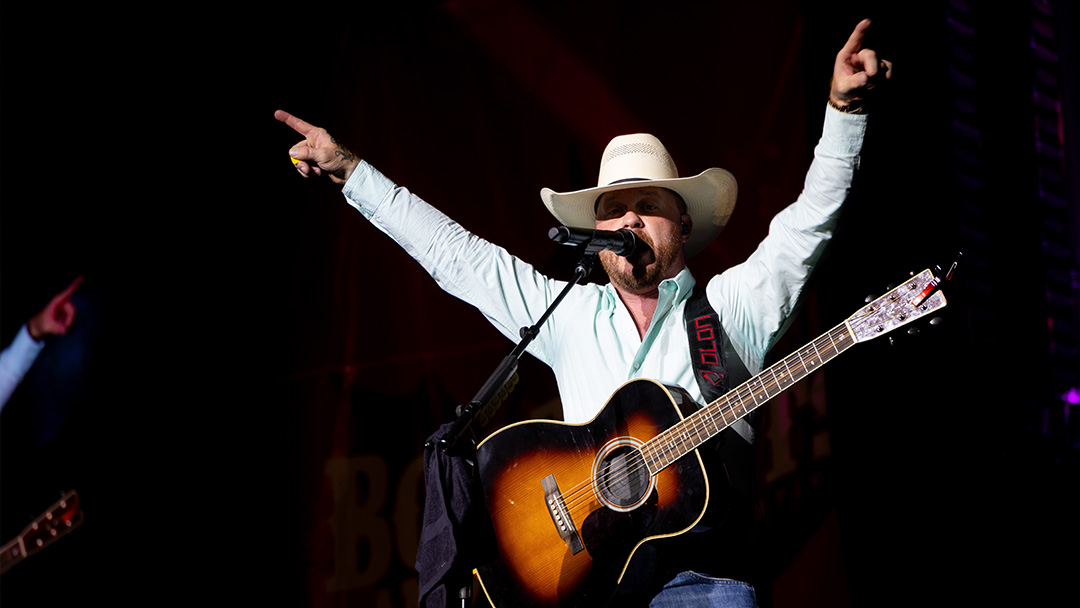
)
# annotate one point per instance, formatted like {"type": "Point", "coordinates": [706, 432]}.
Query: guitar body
{"type": "Point", "coordinates": [571, 503]}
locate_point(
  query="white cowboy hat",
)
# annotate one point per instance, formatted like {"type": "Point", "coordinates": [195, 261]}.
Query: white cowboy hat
{"type": "Point", "coordinates": [639, 161]}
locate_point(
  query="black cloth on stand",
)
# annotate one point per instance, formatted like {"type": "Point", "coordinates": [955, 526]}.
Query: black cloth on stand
{"type": "Point", "coordinates": [456, 531]}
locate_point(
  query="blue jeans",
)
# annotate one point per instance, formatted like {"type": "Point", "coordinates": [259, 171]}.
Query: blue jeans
{"type": "Point", "coordinates": [699, 591]}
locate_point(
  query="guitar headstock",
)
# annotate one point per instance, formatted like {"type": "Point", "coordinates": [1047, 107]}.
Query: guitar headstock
{"type": "Point", "coordinates": [911, 300]}
{"type": "Point", "coordinates": [55, 522]}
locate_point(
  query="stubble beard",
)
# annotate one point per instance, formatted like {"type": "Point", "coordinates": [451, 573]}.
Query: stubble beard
{"type": "Point", "coordinates": [643, 277]}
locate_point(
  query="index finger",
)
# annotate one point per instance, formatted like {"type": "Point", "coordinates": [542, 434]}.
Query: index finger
{"type": "Point", "coordinates": [63, 295]}
{"type": "Point", "coordinates": [854, 42]}
{"type": "Point", "coordinates": [298, 125]}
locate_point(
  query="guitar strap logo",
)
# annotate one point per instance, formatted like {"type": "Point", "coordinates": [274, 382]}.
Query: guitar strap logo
{"type": "Point", "coordinates": [710, 351]}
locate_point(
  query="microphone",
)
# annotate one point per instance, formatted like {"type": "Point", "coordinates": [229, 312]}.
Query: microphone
{"type": "Point", "coordinates": [620, 242]}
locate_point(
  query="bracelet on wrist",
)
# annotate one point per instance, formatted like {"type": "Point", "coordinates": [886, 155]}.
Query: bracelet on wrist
{"type": "Point", "coordinates": [853, 106]}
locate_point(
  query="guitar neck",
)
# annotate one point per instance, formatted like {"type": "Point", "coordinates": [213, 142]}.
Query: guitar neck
{"type": "Point", "coordinates": [706, 423]}
{"type": "Point", "coordinates": [51, 525]}
{"type": "Point", "coordinates": [11, 553]}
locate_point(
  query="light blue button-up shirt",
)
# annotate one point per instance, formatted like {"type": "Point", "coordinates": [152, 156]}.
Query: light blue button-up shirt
{"type": "Point", "coordinates": [15, 362]}
{"type": "Point", "coordinates": [591, 341]}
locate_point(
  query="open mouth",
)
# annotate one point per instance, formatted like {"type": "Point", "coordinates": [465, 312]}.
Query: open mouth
{"type": "Point", "coordinates": [646, 255]}
{"type": "Point", "coordinates": [644, 258]}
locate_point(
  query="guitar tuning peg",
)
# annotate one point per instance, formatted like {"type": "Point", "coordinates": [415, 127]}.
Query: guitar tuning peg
{"type": "Point", "coordinates": [913, 331]}
{"type": "Point", "coordinates": [869, 298]}
{"type": "Point", "coordinates": [936, 321]}
{"type": "Point", "coordinates": [892, 342]}
{"type": "Point", "coordinates": [946, 275]}
{"type": "Point", "coordinates": [891, 287]}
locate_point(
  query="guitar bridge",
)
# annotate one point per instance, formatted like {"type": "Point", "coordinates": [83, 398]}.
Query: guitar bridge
{"type": "Point", "coordinates": [560, 516]}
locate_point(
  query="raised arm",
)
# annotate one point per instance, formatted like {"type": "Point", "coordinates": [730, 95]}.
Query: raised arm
{"type": "Point", "coordinates": [760, 296]}
{"type": "Point", "coordinates": [53, 320]}
{"type": "Point", "coordinates": [509, 292]}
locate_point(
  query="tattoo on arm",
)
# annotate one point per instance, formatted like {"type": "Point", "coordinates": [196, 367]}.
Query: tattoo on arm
{"type": "Point", "coordinates": [344, 154]}
{"type": "Point", "coordinates": [348, 159]}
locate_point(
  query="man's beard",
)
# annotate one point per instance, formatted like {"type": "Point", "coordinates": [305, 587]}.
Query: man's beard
{"type": "Point", "coordinates": [642, 276]}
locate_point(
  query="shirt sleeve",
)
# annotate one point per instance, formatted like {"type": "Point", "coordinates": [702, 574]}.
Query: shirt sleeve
{"type": "Point", "coordinates": [758, 297]}
{"type": "Point", "coordinates": [509, 292]}
{"type": "Point", "coordinates": [15, 362]}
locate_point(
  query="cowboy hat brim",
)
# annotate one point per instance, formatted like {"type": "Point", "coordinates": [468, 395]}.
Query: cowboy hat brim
{"type": "Point", "coordinates": [709, 197]}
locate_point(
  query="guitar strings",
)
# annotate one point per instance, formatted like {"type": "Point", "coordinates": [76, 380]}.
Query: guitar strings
{"type": "Point", "coordinates": [582, 492]}
{"type": "Point", "coordinates": [577, 492]}
{"type": "Point", "coordinates": [574, 497]}
{"type": "Point", "coordinates": [664, 443]}
{"type": "Point", "coordinates": [696, 424]}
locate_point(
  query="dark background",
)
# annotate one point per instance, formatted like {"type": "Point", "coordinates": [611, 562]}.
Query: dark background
{"type": "Point", "coordinates": [242, 402]}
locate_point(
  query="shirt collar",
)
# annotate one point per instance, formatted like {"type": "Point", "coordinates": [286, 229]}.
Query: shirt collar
{"type": "Point", "coordinates": [679, 288]}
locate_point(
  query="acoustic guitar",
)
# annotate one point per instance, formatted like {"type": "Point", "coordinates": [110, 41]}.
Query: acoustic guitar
{"type": "Point", "coordinates": [571, 503]}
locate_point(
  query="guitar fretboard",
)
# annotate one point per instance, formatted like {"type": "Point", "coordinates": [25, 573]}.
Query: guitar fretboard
{"type": "Point", "coordinates": [706, 423]}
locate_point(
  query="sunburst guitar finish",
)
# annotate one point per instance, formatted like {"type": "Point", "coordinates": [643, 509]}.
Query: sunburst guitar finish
{"type": "Point", "coordinates": [571, 503]}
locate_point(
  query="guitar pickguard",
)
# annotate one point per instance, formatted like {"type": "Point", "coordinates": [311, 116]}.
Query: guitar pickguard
{"type": "Point", "coordinates": [610, 535]}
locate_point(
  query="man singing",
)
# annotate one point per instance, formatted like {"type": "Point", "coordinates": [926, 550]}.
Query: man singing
{"type": "Point", "coordinates": [602, 336]}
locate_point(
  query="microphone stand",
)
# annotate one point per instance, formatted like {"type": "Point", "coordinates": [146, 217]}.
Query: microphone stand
{"type": "Point", "coordinates": [499, 384]}
{"type": "Point", "coordinates": [501, 381]}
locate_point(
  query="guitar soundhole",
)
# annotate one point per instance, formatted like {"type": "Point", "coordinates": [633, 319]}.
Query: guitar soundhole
{"type": "Point", "coordinates": [621, 478]}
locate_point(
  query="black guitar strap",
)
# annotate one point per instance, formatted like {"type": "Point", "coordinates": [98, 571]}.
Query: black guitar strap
{"type": "Point", "coordinates": [716, 366]}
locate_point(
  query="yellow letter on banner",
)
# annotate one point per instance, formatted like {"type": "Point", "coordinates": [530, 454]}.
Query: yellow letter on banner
{"type": "Point", "coordinates": [362, 541]}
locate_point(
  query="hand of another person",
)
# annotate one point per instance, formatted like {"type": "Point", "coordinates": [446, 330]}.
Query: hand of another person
{"type": "Point", "coordinates": [318, 152]}
{"type": "Point", "coordinates": [56, 317]}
